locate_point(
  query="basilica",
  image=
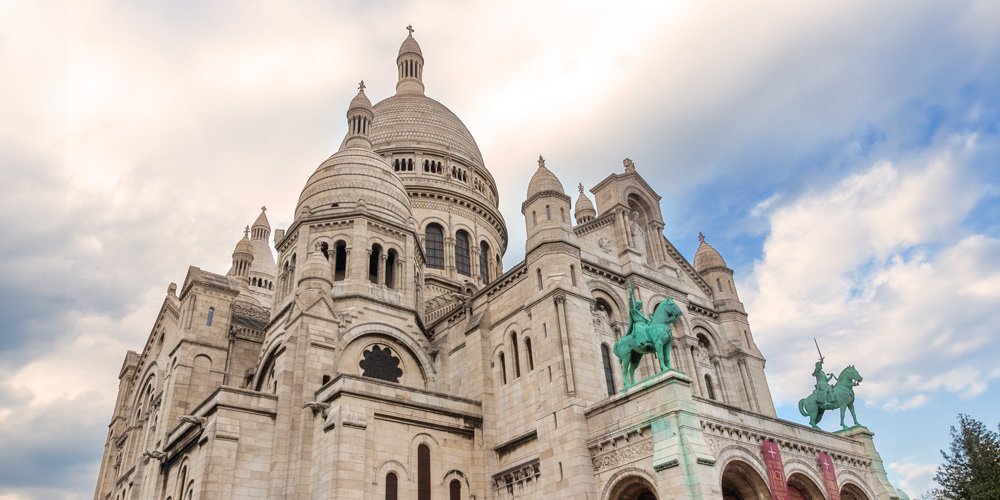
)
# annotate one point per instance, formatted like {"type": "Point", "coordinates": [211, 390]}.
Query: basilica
{"type": "Point", "coordinates": [386, 353]}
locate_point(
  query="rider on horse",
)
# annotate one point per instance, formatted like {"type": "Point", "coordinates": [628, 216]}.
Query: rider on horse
{"type": "Point", "coordinates": [824, 392]}
{"type": "Point", "coordinates": [634, 311]}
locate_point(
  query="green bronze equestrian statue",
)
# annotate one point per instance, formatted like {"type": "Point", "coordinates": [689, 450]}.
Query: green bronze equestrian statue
{"type": "Point", "coordinates": [645, 335]}
{"type": "Point", "coordinates": [826, 397]}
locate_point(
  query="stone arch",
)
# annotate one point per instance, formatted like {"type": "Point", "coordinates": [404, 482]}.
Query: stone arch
{"type": "Point", "coordinates": [270, 357]}
{"type": "Point", "coordinates": [850, 478]}
{"type": "Point", "coordinates": [851, 491]}
{"type": "Point", "coordinates": [743, 473]}
{"type": "Point", "coordinates": [626, 478]}
{"type": "Point", "coordinates": [804, 480]}
{"type": "Point", "coordinates": [638, 201]}
{"type": "Point", "coordinates": [456, 474]}
{"type": "Point", "coordinates": [390, 466]}
{"type": "Point", "coordinates": [653, 301]}
{"type": "Point", "coordinates": [148, 375]}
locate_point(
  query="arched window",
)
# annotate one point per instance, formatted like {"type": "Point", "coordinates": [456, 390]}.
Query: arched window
{"type": "Point", "coordinates": [538, 275]}
{"type": "Point", "coordinates": [391, 486]}
{"type": "Point", "coordinates": [434, 243]}
{"type": "Point", "coordinates": [548, 212]}
{"type": "Point", "coordinates": [718, 284]}
{"type": "Point", "coordinates": [423, 472]}
{"type": "Point", "coordinates": [534, 218]}
{"type": "Point", "coordinates": [462, 262]}
{"type": "Point", "coordinates": [609, 378]}
{"type": "Point", "coordinates": [390, 268]}
{"type": "Point", "coordinates": [517, 355]}
{"type": "Point", "coordinates": [455, 490]}
{"type": "Point", "coordinates": [211, 314]}
{"type": "Point", "coordinates": [572, 274]}
{"type": "Point", "coordinates": [484, 261]}
{"type": "Point", "coordinates": [503, 369]}
{"type": "Point", "coordinates": [531, 356]}
{"type": "Point", "coordinates": [373, 260]}
{"type": "Point", "coordinates": [325, 248]}
{"type": "Point", "coordinates": [340, 261]}
{"type": "Point", "coordinates": [708, 385]}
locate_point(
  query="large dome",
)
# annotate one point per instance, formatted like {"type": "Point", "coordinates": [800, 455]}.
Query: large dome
{"type": "Point", "coordinates": [417, 120]}
{"type": "Point", "coordinates": [351, 179]}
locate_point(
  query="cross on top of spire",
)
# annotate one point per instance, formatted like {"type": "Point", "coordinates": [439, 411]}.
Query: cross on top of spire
{"type": "Point", "coordinates": [409, 27]}
{"type": "Point", "coordinates": [361, 85]}
{"type": "Point", "coordinates": [581, 188]}
{"type": "Point", "coordinates": [701, 237]}
{"type": "Point", "coordinates": [541, 161]}
{"type": "Point", "coordinates": [263, 209]}
{"type": "Point", "coordinates": [246, 231]}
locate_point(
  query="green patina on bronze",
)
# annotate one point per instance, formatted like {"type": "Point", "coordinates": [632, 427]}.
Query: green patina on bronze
{"type": "Point", "coordinates": [826, 397]}
{"type": "Point", "coordinates": [645, 335]}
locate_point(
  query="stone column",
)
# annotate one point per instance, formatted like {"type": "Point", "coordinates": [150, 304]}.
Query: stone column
{"type": "Point", "coordinates": [567, 354]}
{"type": "Point", "coordinates": [381, 268]}
{"type": "Point", "coordinates": [722, 385]}
{"type": "Point", "coordinates": [699, 381]}
{"type": "Point", "coordinates": [347, 263]}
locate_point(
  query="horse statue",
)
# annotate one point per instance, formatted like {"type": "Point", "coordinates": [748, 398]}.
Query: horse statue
{"type": "Point", "coordinates": [826, 397]}
{"type": "Point", "coordinates": [644, 336]}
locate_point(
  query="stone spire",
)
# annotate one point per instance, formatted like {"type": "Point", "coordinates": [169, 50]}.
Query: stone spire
{"type": "Point", "coordinates": [359, 121]}
{"type": "Point", "coordinates": [410, 63]}
{"type": "Point", "coordinates": [261, 227]}
{"type": "Point", "coordinates": [585, 211]}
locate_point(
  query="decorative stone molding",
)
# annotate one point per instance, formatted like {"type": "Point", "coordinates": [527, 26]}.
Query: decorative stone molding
{"type": "Point", "coordinates": [517, 476]}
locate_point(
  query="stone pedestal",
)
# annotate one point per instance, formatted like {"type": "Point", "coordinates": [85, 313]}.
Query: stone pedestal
{"type": "Point", "coordinates": [866, 437]}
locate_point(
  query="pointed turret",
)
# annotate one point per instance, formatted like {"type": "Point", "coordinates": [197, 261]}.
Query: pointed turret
{"type": "Point", "coordinates": [410, 63]}
{"type": "Point", "coordinates": [546, 210]}
{"type": "Point", "coordinates": [710, 264]}
{"type": "Point", "coordinates": [242, 257]}
{"type": "Point", "coordinates": [584, 211]}
{"type": "Point", "coordinates": [359, 121]}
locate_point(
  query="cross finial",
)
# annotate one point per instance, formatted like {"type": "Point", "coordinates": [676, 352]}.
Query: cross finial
{"type": "Point", "coordinates": [361, 85]}
{"type": "Point", "coordinates": [263, 209]}
{"type": "Point", "coordinates": [541, 161]}
{"type": "Point", "coordinates": [701, 237]}
{"type": "Point", "coordinates": [581, 188]}
{"type": "Point", "coordinates": [409, 27]}
{"type": "Point", "coordinates": [246, 231]}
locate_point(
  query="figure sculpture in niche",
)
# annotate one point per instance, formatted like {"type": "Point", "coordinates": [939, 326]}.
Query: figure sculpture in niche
{"type": "Point", "coordinates": [638, 235]}
{"type": "Point", "coordinates": [644, 336]}
{"type": "Point", "coordinates": [824, 397]}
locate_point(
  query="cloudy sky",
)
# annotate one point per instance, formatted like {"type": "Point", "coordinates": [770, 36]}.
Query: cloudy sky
{"type": "Point", "coordinates": [843, 156]}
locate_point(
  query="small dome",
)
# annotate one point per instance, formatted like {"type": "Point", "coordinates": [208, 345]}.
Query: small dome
{"type": "Point", "coordinates": [410, 45]}
{"type": "Point", "coordinates": [584, 208]}
{"type": "Point", "coordinates": [544, 181]}
{"type": "Point", "coordinates": [360, 101]}
{"type": "Point", "coordinates": [353, 179]}
{"type": "Point", "coordinates": [244, 246]}
{"type": "Point", "coordinates": [315, 271]}
{"type": "Point", "coordinates": [707, 257]}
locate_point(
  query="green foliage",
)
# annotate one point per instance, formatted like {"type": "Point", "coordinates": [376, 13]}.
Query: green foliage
{"type": "Point", "coordinates": [972, 469]}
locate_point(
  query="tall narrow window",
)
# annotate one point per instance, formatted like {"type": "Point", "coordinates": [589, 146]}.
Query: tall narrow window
{"type": "Point", "coordinates": [462, 262]}
{"type": "Point", "coordinates": [373, 261]}
{"type": "Point", "coordinates": [517, 355]}
{"type": "Point", "coordinates": [718, 284]}
{"type": "Point", "coordinates": [423, 472]}
{"type": "Point", "coordinates": [211, 314]}
{"type": "Point", "coordinates": [390, 268]}
{"type": "Point", "coordinates": [609, 377]}
{"type": "Point", "coordinates": [340, 261]}
{"type": "Point", "coordinates": [325, 248]}
{"type": "Point", "coordinates": [503, 369]}
{"type": "Point", "coordinates": [548, 212]}
{"type": "Point", "coordinates": [531, 355]}
{"type": "Point", "coordinates": [391, 486]}
{"type": "Point", "coordinates": [434, 243]}
{"type": "Point", "coordinates": [484, 261]}
{"type": "Point", "coordinates": [572, 274]}
{"type": "Point", "coordinates": [538, 275]}
{"type": "Point", "coordinates": [534, 218]}
{"type": "Point", "coordinates": [708, 385]}
{"type": "Point", "coordinates": [455, 490]}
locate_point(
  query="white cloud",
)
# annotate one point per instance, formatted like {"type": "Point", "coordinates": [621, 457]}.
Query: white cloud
{"type": "Point", "coordinates": [914, 478]}
{"type": "Point", "coordinates": [878, 267]}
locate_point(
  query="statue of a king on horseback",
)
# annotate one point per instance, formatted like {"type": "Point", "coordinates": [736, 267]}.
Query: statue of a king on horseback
{"type": "Point", "coordinates": [839, 396]}
{"type": "Point", "coordinates": [645, 335]}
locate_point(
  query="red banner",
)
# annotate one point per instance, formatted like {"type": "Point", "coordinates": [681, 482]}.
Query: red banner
{"type": "Point", "coordinates": [775, 470]}
{"type": "Point", "coordinates": [829, 475]}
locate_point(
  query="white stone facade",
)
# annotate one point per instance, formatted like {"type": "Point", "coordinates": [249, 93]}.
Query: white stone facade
{"type": "Point", "coordinates": [386, 353]}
